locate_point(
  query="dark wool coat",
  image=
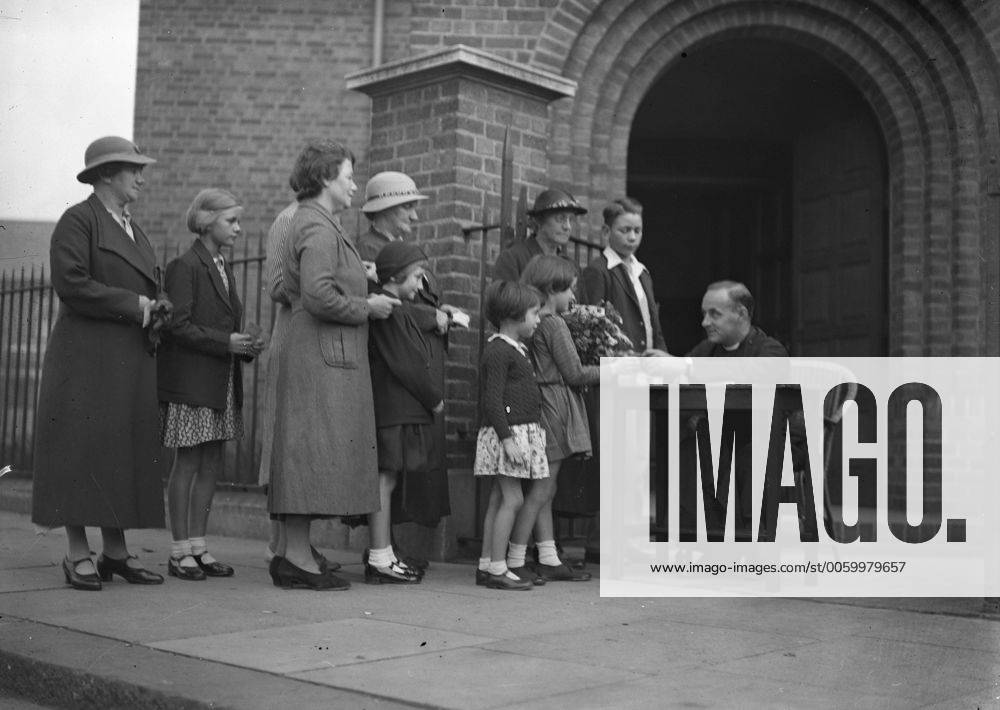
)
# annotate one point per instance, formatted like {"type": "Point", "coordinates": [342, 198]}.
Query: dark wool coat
{"type": "Point", "coordinates": [511, 261]}
{"type": "Point", "coordinates": [599, 283]}
{"type": "Point", "coordinates": [194, 359]}
{"type": "Point", "coordinates": [323, 458]}
{"type": "Point", "coordinates": [97, 441]}
{"type": "Point", "coordinates": [425, 500]}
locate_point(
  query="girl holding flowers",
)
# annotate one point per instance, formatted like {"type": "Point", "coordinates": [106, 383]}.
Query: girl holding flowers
{"type": "Point", "coordinates": [564, 416]}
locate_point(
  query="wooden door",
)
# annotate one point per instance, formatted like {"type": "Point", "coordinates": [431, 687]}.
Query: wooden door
{"type": "Point", "coordinates": [838, 243]}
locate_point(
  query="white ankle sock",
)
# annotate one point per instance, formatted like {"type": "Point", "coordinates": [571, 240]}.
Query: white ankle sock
{"type": "Point", "coordinates": [484, 564]}
{"type": "Point", "coordinates": [381, 557]}
{"type": "Point", "coordinates": [515, 555]}
{"type": "Point", "coordinates": [547, 553]}
{"type": "Point", "coordinates": [498, 567]}
{"type": "Point", "coordinates": [181, 550]}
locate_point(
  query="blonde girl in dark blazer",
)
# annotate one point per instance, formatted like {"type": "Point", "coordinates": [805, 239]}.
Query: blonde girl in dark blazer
{"type": "Point", "coordinates": [200, 382]}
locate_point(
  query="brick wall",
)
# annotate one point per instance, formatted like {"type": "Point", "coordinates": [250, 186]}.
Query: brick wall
{"type": "Point", "coordinates": [508, 28]}
{"type": "Point", "coordinates": [228, 92]}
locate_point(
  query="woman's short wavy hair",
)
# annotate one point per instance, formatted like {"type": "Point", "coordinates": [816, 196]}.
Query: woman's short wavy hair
{"type": "Point", "coordinates": [318, 162]}
{"type": "Point", "coordinates": [207, 206]}
{"type": "Point", "coordinates": [510, 300]}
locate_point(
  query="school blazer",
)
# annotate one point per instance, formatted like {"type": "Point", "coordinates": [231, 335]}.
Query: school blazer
{"type": "Point", "coordinates": [599, 283]}
{"type": "Point", "coordinates": [194, 358]}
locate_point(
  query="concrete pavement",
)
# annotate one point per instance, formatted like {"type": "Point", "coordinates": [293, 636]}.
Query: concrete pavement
{"type": "Point", "coordinates": [243, 643]}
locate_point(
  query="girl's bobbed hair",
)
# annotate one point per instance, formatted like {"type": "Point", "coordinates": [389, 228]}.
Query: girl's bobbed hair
{"type": "Point", "coordinates": [207, 206]}
{"type": "Point", "coordinates": [549, 273]}
{"type": "Point", "coordinates": [509, 300]}
{"type": "Point", "coordinates": [318, 162]}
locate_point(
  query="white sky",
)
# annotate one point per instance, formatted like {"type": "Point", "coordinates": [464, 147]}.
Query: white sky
{"type": "Point", "coordinates": [67, 76]}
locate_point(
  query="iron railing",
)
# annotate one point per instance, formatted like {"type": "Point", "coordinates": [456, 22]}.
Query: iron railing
{"type": "Point", "coordinates": [28, 307]}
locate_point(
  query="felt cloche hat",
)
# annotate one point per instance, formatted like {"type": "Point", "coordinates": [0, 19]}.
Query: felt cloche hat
{"type": "Point", "coordinates": [396, 256]}
{"type": "Point", "coordinates": [111, 149]}
{"type": "Point", "coordinates": [388, 189]}
{"type": "Point", "coordinates": [555, 200]}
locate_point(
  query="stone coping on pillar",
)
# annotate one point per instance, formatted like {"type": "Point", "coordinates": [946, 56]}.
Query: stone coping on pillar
{"type": "Point", "coordinates": [460, 61]}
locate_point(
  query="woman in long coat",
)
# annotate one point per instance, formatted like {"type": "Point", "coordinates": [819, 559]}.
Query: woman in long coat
{"type": "Point", "coordinates": [97, 448]}
{"type": "Point", "coordinates": [323, 458]}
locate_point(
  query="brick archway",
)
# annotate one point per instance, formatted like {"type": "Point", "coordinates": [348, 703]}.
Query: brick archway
{"type": "Point", "coordinates": [927, 70]}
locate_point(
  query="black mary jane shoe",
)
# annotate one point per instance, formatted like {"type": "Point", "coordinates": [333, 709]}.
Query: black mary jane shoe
{"type": "Point", "coordinates": [106, 567]}
{"type": "Point", "coordinates": [188, 572]}
{"type": "Point", "coordinates": [394, 573]}
{"type": "Point", "coordinates": [90, 582]}
{"type": "Point", "coordinates": [289, 576]}
{"type": "Point", "coordinates": [214, 569]}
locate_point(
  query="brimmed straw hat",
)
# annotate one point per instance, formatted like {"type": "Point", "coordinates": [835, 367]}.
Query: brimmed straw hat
{"type": "Point", "coordinates": [111, 149]}
{"type": "Point", "coordinates": [389, 189]}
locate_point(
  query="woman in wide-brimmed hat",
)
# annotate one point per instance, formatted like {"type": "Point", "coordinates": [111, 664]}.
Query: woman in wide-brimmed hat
{"type": "Point", "coordinates": [97, 442]}
{"type": "Point", "coordinates": [554, 216]}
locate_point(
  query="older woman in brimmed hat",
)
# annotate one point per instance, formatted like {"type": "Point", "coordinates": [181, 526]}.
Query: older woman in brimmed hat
{"type": "Point", "coordinates": [391, 200]}
{"type": "Point", "coordinates": [97, 443]}
{"type": "Point", "coordinates": [554, 214]}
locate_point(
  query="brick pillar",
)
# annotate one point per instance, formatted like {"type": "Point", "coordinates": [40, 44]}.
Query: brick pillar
{"type": "Point", "coordinates": [440, 118]}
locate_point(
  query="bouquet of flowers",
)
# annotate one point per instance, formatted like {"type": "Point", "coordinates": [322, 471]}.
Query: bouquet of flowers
{"type": "Point", "coordinates": [597, 332]}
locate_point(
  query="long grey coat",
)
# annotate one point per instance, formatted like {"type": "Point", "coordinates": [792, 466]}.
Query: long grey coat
{"type": "Point", "coordinates": [323, 458]}
{"type": "Point", "coordinates": [97, 440]}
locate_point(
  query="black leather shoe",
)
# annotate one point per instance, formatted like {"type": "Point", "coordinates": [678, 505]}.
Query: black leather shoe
{"type": "Point", "coordinates": [176, 569]}
{"type": "Point", "coordinates": [417, 563]}
{"type": "Point", "coordinates": [290, 576]}
{"type": "Point", "coordinates": [403, 562]}
{"type": "Point", "coordinates": [481, 577]}
{"type": "Point", "coordinates": [272, 569]}
{"type": "Point", "coordinates": [395, 573]}
{"type": "Point", "coordinates": [214, 569]}
{"type": "Point", "coordinates": [502, 581]}
{"type": "Point", "coordinates": [528, 574]}
{"type": "Point", "coordinates": [324, 564]}
{"type": "Point", "coordinates": [561, 573]}
{"type": "Point", "coordinates": [88, 582]}
{"type": "Point", "coordinates": [106, 567]}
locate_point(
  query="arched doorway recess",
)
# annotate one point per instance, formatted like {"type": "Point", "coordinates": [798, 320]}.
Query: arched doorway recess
{"type": "Point", "coordinates": [759, 161]}
{"type": "Point", "coordinates": [928, 72]}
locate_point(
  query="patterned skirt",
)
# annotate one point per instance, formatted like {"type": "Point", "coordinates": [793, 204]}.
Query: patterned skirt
{"type": "Point", "coordinates": [491, 460]}
{"type": "Point", "coordinates": [182, 425]}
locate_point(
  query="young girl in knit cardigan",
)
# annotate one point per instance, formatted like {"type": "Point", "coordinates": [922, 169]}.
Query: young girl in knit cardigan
{"type": "Point", "coordinates": [511, 442]}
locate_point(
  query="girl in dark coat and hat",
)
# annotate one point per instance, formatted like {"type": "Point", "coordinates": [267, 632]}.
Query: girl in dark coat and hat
{"type": "Point", "coordinates": [97, 443]}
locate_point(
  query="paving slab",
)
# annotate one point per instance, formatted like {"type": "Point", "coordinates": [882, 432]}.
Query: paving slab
{"type": "Point", "coordinates": [920, 672]}
{"type": "Point", "coordinates": [560, 645]}
{"type": "Point", "coordinates": [697, 690]}
{"type": "Point", "coordinates": [651, 646]}
{"type": "Point", "coordinates": [64, 668]}
{"type": "Point", "coordinates": [294, 649]}
{"type": "Point", "coordinates": [469, 678]}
